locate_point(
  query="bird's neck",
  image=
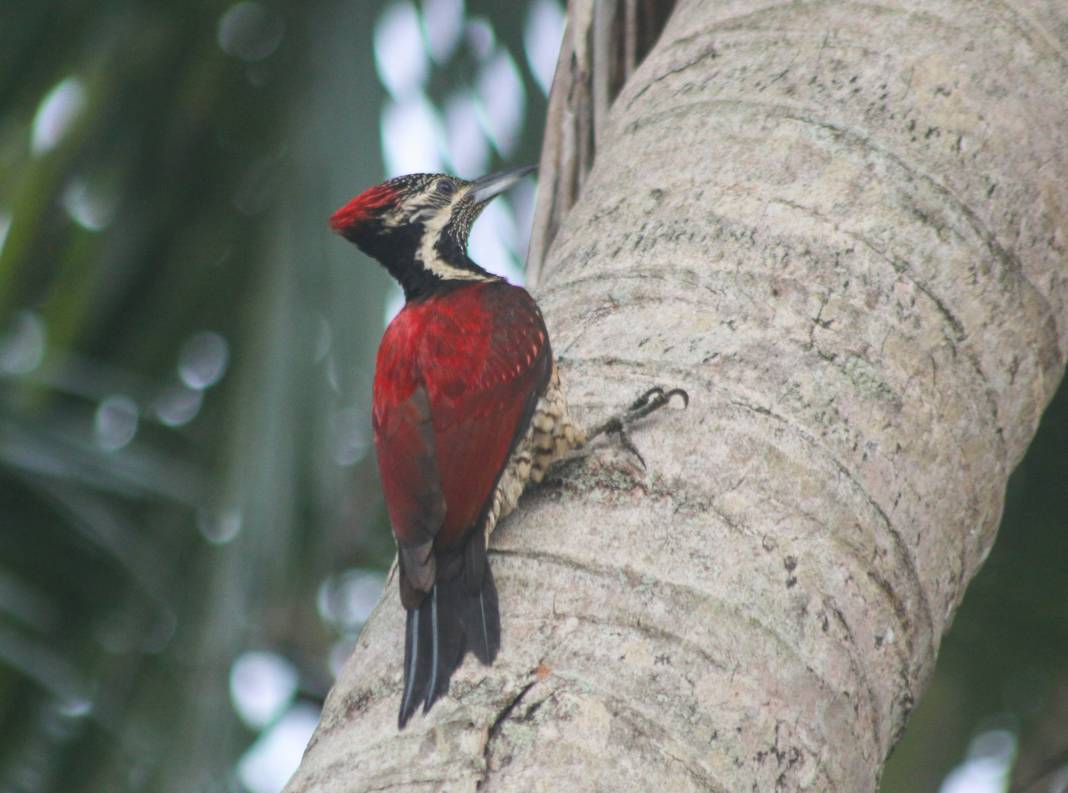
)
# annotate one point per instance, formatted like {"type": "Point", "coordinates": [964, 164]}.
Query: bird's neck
{"type": "Point", "coordinates": [425, 268]}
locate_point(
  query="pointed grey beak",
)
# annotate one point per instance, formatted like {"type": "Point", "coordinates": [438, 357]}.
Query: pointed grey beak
{"type": "Point", "coordinates": [482, 190]}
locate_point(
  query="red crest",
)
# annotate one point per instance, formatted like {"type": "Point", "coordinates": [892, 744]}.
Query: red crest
{"type": "Point", "coordinates": [359, 209]}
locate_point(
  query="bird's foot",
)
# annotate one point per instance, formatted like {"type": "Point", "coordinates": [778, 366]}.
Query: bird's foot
{"type": "Point", "coordinates": [652, 400]}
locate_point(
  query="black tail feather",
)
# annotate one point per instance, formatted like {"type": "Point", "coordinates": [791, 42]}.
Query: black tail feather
{"type": "Point", "coordinates": [482, 620]}
{"type": "Point", "coordinates": [417, 639]}
{"type": "Point", "coordinates": [450, 621]}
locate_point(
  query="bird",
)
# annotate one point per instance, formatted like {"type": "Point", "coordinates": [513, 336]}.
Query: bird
{"type": "Point", "coordinates": [467, 409]}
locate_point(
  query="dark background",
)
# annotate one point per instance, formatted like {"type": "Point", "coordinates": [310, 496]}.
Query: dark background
{"type": "Point", "coordinates": [190, 528]}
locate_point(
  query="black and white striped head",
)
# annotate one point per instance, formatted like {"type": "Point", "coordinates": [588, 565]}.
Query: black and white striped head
{"type": "Point", "coordinates": [417, 226]}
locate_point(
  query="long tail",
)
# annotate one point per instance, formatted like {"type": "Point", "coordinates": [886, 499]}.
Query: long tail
{"type": "Point", "coordinates": [449, 622]}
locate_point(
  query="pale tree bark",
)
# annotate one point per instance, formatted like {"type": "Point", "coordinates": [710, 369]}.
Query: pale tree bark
{"type": "Point", "coordinates": [842, 228]}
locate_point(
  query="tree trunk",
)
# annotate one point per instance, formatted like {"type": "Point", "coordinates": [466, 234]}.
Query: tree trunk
{"type": "Point", "coordinates": [842, 229]}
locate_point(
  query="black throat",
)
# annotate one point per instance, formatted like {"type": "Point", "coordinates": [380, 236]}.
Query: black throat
{"type": "Point", "coordinates": [399, 252]}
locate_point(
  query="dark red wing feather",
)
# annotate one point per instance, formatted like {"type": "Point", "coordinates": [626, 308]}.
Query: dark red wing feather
{"type": "Point", "coordinates": [482, 355]}
{"type": "Point", "coordinates": [411, 485]}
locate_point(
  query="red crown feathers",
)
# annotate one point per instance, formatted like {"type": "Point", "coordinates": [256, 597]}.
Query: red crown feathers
{"type": "Point", "coordinates": [361, 207]}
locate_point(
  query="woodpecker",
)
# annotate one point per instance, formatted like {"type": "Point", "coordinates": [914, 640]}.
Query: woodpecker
{"type": "Point", "coordinates": [467, 410]}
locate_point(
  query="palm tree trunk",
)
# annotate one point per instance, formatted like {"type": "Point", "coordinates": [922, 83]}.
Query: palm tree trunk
{"type": "Point", "coordinates": [842, 228]}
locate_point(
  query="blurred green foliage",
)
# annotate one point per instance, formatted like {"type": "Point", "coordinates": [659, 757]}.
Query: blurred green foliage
{"type": "Point", "coordinates": [183, 347]}
{"type": "Point", "coordinates": [171, 205]}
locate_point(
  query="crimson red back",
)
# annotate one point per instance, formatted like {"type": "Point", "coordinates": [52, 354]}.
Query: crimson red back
{"type": "Point", "coordinates": [481, 353]}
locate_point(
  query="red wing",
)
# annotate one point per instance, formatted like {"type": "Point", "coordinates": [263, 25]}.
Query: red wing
{"type": "Point", "coordinates": [455, 386]}
{"type": "Point", "coordinates": [404, 437]}
{"type": "Point", "coordinates": [481, 406]}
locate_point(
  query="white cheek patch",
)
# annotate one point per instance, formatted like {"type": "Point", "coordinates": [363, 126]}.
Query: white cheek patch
{"type": "Point", "coordinates": [434, 220]}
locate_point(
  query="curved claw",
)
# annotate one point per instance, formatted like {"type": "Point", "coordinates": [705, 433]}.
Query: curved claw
{"type": "Point", "coordinates": [650, 401]}
{"type": "Point", "coordinates": [656, 397]}
{"type": "Point", "coordinates": [680, 393]}
{"type": "Point", "coordinates": [646, 397]}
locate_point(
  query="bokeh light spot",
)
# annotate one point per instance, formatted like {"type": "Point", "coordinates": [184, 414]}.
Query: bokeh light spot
{"type": "Point", "coordinates": [400, 56]}
{"type": "Point", "coordinates": [56, 113]}
{"type": "Point", "coordinates": [987, 766]}
{"type": "Point", "coordinates": [503, 101]}
{"type": "Point", "coordinates": [522, 197]}
{"type": "Point", "coordinates": [115, 423]}
{"type": "Point", "coordinates": [324, 338]}
{"type": "Point", "coordinates": [5, 227]}
{"type": "Point", "coordinates": [410, 132]}
{"type": "Point", "coordinates": [203, 359]}
{"type": "Point", "coordinates": [177, 405]}
{"type": "Point", "coordinates": [345, 600]}
{"type": "Point", "coordinates": [349, 435]}
{"type": "Point", "coordinates": [444, 24]}
{"type": "Point", "coordinates": [22, 347]}
{"type": "Point", "coordinates": [261, 684]}
{"type": "Point", "coordinates": [271, 760]}
{"type": "Point", "coordinates": [87, 206]}
{"type": "Point", "coordinates": [541, 40]}
{"type": "Point", "coordinates": [468, 147]}
{"type": "Point", "coordinates": [492, 238]}
{"type": "Point", "coordinates": [219, 528]}
{"type": "Point", "coordinates": [75, 707]}
{"type": "Point", "coordinates": [250, 31]}
{"type": "Point", "coordinates": [480, 37]}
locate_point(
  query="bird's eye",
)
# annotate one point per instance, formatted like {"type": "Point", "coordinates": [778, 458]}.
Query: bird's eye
{"type": "Point", "coordinates": [445, 187]}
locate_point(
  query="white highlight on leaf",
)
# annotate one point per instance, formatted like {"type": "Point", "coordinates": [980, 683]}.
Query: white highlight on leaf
{"type": "Point", "coordinates": [345, 600]}
{"type": "Point", "coordinates": [115, 423]}
{"type": "Point", "coordinates": [203, 360]}
{"type": "Point", "coordinates": [443, 21]}
{"type": "Point", "coordinates": [400, 56]}
{"type": "Point", "coordinates": [221, 527]}
{"type": "Point", "coordinates": [87, 206]}
{"type": "Point", "coordinates": [22, 347]}
{"type": "Point", "coordinates": [56, 113]}
{"type": "Point", "coordinates": [5, 227]}
{"type": "Point", "coordinates": [410, 131]}
{"type": "Point", "coordinates": [987, 767]}
{"type": "Point", "coordinates": [261, 684]}
{"type": "Point", "coordinates": [542, 33]}
{"type": "Point", "coordinates": [522, 200]}
{"type": "Point", "coordinates": [350, 438]}
{"type": "Point", "coordinates": [271, 760]}
{"type": "Point", "coordinates": [177, 405]}
{"type": "Point", "coordinates": [480, 37]}
{"type": "Point", "coordinates": [469, 151]}
{"type": "Point", "coordinates": [493, 239]}
{"type": "Point", "coordinates": [503, 101]}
